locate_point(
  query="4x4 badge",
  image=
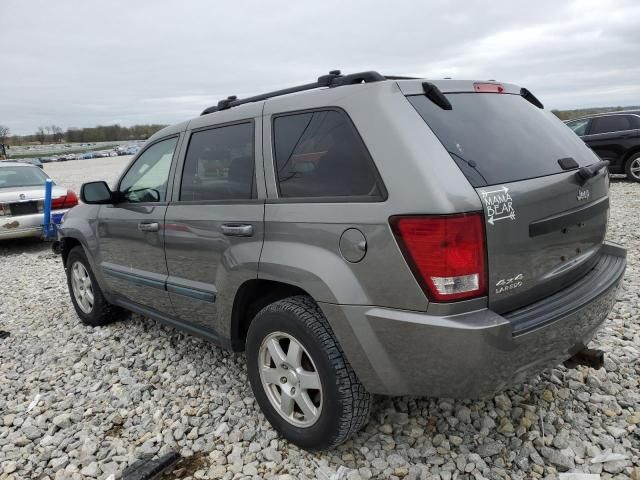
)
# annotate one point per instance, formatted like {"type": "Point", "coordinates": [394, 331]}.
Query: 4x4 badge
{"type": "Point", "coordinates": [499, 205]}
{"type": "Point", "coordinates": [583, 194]}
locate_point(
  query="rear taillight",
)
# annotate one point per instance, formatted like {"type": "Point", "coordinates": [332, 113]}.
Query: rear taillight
{"type": "Point", "coordinates": [66, 201]}
{"type": "Point", "coordinates": [446, 253]}
{"type": "Point", "coordinates": [488, 88]}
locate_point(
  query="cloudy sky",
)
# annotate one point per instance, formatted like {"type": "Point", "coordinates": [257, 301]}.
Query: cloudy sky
{"type": "Point", "coordinates": [82, 63]}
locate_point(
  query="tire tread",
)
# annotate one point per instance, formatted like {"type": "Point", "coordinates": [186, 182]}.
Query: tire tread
{"type": "Point", "coordinates": [354, 397]}
{"type": "Point", "coordinates": [103, 312]}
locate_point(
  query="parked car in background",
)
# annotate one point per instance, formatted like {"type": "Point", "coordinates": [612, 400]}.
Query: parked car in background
{"type": "Point", "coordinates": [381, 236]}
{"type": "Point", "coordinates": [87, 155]}
{"type": "Point", "coordinates": [113, 154]}
{"type": "Point", "coordinates": [22, 200]}
{"type": "Point", "coordinates": [615, 137]}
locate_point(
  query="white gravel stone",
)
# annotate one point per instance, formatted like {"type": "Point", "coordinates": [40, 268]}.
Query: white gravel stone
{"type": "Point", "coordinates": [106, 396]}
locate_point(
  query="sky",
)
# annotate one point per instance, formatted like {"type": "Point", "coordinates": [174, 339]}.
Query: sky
{"type": "Point", "coordinates": [80, 63]}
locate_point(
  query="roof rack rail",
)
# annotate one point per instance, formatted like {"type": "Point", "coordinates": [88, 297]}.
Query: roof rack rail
{"type": "Point", "coordinates": [333, 79]}
{"type": "Point", "coordinates": [400, 77]}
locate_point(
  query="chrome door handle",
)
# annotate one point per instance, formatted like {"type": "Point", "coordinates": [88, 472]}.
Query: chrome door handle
{"type": "Point", "coordinates": [237, 230]}
{"type": "Point", "coordinates": [148, 226]}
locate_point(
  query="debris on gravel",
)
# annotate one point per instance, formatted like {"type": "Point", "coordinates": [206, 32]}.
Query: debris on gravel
{"type": "Point", "coordinates": [79, 402]}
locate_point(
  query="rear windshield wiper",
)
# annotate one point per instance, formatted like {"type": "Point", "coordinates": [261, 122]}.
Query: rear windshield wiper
{"type": "Point", "coordinates": [590, 171]}
{"type": "Point", "coordinates": [473, 165]}
{"type": "Point", "coordinates": [434, 94]}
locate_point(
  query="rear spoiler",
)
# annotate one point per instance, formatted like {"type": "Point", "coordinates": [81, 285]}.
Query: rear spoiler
{"type": "Point", "coordinates": [436, 90]}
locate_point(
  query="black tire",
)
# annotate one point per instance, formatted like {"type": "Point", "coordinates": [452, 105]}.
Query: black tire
{"type": "Point", "coordinates": [633, 160]}
{"type": "Point", "coordinates": [102, 312]}
{"type": "Point", "coordinates": [345, 402]}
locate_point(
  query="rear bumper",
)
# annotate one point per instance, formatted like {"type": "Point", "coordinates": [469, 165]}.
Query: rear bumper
{"type": "Point", "coordinates": [20, 226]}
{"type": "Point", "coordinates": [475, 354]}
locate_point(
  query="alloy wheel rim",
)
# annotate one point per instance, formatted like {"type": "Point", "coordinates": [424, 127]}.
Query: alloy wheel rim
{"type": "Point", "coordinates": [82, 287]}
{"type": "Point", "coordinates": [290, 379]}
{"type": "Point", "coordinates": [635, 169]}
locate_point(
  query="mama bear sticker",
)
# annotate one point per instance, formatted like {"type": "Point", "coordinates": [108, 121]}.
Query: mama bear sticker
{"type": "Point", "coordinates": [499, 205]}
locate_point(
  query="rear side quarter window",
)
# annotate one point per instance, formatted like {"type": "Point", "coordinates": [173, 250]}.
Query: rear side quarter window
{"type": "Point", "coordinates": [319, 154]}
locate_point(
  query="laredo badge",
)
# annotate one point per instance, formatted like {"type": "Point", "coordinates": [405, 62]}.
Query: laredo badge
{"type": "Point", "coordinates": [499, 205]}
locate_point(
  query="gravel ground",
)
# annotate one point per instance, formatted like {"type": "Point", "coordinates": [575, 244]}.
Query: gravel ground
{"type": "Point", "coordinates": [77, 402]}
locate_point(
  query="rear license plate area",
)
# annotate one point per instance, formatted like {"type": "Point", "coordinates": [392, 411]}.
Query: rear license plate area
{"type": "Point", "coordinates": [23, 208]}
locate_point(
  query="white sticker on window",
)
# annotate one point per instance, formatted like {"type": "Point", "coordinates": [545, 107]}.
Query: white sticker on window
{"type": "Point", "coordinates": [499, 205]}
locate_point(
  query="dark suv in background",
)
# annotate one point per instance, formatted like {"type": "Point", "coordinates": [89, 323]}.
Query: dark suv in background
{"type": "Point", "coordinates": [614, 137]}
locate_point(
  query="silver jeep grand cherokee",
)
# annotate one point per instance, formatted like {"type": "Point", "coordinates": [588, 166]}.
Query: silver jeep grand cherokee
{"type": "Point", "coordinates": [358, 235]}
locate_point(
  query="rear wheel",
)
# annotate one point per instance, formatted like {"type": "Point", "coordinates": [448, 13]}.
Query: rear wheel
{"type": "Point", "coordinates": [632, 168]}
{"type": "Point", "coordinates": [86, 296]}
{"type": "Point", "coordinates": [300, 376]}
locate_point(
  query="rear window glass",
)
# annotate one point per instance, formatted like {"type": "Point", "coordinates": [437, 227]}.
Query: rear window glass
{"type": "Point", "coordinates": [320, 154]}
{"type": "Point", "coordinates": [501, 138]}
{"type": "Point", "coordinates": [21, 177]}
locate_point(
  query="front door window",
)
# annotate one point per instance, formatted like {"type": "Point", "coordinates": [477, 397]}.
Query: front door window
{"type": "Point", "coordinates": [147, 179]}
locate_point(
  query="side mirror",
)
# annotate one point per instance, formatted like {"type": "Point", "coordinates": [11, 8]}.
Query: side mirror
{"type": "Point", "coordinates": [96, 193]}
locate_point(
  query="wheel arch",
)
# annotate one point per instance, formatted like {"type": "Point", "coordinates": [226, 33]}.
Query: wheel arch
{"type": "Point", "coordinates": [72, 239]}
{"type": "Point", "coordinates": [252, 296]}
{"type": "Point", "coordinates": [66, 245]}
{"type": "Point", "coordinates": [626, 164]}
{"type": "Point", "coordinates": [630, 153]}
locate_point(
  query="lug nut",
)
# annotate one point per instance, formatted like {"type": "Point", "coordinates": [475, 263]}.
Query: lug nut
{"type": "Point", "coordinates": [293, 390]}
{"type": "Point", "coordinates": [283, 380]}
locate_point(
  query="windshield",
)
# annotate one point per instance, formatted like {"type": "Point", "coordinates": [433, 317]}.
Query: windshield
{"type": "Point", "coordinates": [501, 138]}
{"type": "Point", "coordinates": [21, 177]}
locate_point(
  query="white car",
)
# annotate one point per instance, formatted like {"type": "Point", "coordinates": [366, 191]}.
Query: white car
{"type": "Point", "coordinates": [22, 200]}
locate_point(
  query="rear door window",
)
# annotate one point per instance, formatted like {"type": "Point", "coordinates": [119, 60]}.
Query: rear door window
{"type": "Point", "coordinates": [320, 155]}
{"type": "Point", "coordinates": [611, 123]}
{"type": "Point", "coordinates": [219, 164]}
{"type": "Point", "coordinates": [501, 138]}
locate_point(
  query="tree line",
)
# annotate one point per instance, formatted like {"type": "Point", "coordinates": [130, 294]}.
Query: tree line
{"type": "Point", "coordinates": [101, 133]}
{"type": "Point", "coordinates": [581, 112]}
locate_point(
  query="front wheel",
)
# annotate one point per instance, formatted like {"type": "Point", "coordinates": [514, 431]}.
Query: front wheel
{"type": "Point", "coordinates": [632, 168]}
{"type": "Point", "coordinates": [86, 296]}
{"type": "Point", "coordinates": [300, 376]}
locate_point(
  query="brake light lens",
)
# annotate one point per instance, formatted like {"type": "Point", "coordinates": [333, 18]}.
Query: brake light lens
{"type": "Point", "coordinates": [66, 201]}
{"type": "Point", "coordinates": [447, 254]}
{"type": "Point", "coordinates": [488, 88]}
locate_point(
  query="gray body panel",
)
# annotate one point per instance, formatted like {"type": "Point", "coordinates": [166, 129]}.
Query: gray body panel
{"type": "Point", "coordinates": [133, 261]}
{"type": "Point", "coordinates": [546, 239]}
{"type": "Point", "coordinates": [201, 259]}
{"type": "Point", "coordinates": [302, 237]}
{"type": "Point", "coordinates": [397, 341]}
{"type": "Point", "coordinates": [475, 354]}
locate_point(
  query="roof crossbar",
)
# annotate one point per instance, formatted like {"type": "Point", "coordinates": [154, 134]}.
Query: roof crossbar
{"type": "Point", "coordinates": [333, 79]}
